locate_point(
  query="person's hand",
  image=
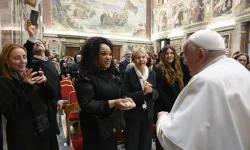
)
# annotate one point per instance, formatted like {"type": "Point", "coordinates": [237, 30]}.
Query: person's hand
{"type": "Point", "coordinates": [148, 88]}
{"type": "Point", "coordinates": [28, 77]}
{"type": "Point", "coordinates": [41, 78]}
{"type": "Point", "coordinates": [59, 106]}
{"type": "Point", "coordinates": [125, 104]}
{"type": "Point", "coordinates": [162, 113]}
{"type": "Point", "coordinates": [31, 31]}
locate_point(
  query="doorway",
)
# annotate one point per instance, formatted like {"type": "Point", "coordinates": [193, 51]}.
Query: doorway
{"type": "Point", "coordinates": [72, 51]}
{"type": "Point", "coordinates": [116, 53]}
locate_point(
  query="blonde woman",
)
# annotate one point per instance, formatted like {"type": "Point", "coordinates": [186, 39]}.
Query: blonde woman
{"type": "Point", "coordinates": [140, 85]}
{"type": "Point", "coordinates": [22, 103]}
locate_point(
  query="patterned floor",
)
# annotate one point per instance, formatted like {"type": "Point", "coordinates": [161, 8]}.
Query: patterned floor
{"type": "Point", "coordinates": [62, 137]}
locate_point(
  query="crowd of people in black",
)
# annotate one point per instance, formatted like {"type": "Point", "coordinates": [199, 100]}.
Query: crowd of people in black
{"type": "Point", "coordinates": [112, 96]}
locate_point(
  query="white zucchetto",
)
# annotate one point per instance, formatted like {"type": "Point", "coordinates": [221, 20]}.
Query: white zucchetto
{"type": "Point", "coordinates": [208, 39]}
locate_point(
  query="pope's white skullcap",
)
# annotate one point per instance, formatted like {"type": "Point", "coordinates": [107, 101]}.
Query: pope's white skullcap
{"type": "Point", "coordinates": [208, 39]}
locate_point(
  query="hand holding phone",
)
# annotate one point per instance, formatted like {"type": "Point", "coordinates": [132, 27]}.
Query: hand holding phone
{"type": "Point", "coordinates": [34, 17]}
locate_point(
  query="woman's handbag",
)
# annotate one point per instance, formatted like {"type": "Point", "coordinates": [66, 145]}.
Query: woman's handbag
{"type": "Point", "coordinates": [113, 124]}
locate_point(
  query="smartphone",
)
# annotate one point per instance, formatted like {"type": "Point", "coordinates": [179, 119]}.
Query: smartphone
{"type": "Point", "coordinates": [36, 66]}
{"type": "Point", "coordinates": [34, 17]}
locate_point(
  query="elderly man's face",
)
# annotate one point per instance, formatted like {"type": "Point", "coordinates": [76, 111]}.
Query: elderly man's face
{"type": "Point", "coordinates": [193, 59]}
{"type": "Point", "coordinates": [78, 58]}
{"type": "Point", "coordinates": [128, 57]}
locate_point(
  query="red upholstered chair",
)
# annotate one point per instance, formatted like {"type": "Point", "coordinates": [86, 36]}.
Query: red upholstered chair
{"type": "Point", "coordinates": [73, 81]}
{"type": "Point", "coordinates": [65, 82]}
{"type": "Point", "coordinates": [65, 90]}
{"type": "Point", "coordinates": [72, 97]}
{"type": "Point", "coordinates": [154, 131]}
{"type": "Point", "coordinates": [121, 138]}
{"type": "Point", "coordinates": [72, 111]}
{"type": "Point", "coordinates": [77, 142]}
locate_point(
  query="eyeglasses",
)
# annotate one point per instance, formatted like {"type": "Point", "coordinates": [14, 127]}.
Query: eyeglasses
{"type": "Point", "coordinates": [39, 43]}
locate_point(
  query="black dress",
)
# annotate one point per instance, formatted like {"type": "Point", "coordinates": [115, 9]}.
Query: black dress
{"type": "Point", "coordinates": [93, 92]}
{"type": "Point", "coordinates": [17, 108]}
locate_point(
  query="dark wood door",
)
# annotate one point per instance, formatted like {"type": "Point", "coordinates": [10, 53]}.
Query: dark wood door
{"type": "Point", "coordinates": [247, 47]}
{"type": "Point", "coordinates": [72, 51]}
{"type": "Point", "coordinates": [116, 52]}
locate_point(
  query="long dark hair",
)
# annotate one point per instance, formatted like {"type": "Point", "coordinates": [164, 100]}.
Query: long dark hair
{"type": "Point", "coordinates": [90, 52]}
{"type": "Point", "coordinates": [171, 73]}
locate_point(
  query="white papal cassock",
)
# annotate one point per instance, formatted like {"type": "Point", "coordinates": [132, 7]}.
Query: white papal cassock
{"type": "Point", "coordinates": [212, 112]}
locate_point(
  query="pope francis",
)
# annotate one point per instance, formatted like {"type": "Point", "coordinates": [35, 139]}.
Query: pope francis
{"type": "Point", "coordinates": [213, 111]}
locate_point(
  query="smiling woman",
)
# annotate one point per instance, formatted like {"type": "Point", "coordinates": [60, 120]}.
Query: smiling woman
{"type": "Point", "coordinates": [169, 81]}
{"type": "Point", "coordinates": [99, 96]}
{"type": "Point", "coordinates": [105, 57]}
{"type": "Point", "coordinates": [22, 103]}
{"type": "Point", "coordinates": [16, 61]}
{"type": "Point", "coordinates": [139, 84]}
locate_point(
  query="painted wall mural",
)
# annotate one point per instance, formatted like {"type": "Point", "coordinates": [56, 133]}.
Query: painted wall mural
{"type": "Point", "coordinates": [195, 11]}
{"type": "Point", "coordinates": [160, 19]}
{"type": "Point", "coordinates": [133, 47]}
{"type": "Point", "coordinates": [177, 44]}
{"type": "Point", "coordinates": [177, 15]}
{"type": "Point", "coordinates": [247, 3]}
{"type": "Point", "coordinates": [115, 17]}
{"type": "Point", "coordinates": [226, 38]}
{"type": "Point", "coordinates": [222, 7]}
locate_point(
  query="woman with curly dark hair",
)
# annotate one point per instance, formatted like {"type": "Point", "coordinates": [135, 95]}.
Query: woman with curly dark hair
{"type": "Point", "coordinates": [169, 81]}
{"type": "Point", "coordinates": [99, 96]}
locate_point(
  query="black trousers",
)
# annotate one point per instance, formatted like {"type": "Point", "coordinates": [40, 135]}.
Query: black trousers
{"type": "Point", "coordinates": [95, 142]}
{"type": "Point", "coordinates": [1, 133]}
{"type": "Point", "coordinates": [138, 133]}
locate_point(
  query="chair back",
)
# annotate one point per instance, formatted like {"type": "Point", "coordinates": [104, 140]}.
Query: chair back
{"type": "Point", "coordinates": [77, 142]}
{"type": "Point", "coordinates": [120, 138]}
{"type": "Point", "coordinates": [66, 89]}
{"type": "Point", "coordinates": [65, 82]}
{"type": "Point", "coordinates": [72, 97]}
{"type": "Point", "coordinates": [73, 81]}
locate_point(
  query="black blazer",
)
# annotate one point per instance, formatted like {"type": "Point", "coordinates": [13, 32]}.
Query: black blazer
{"type": "Point", "coordinates": [132, 88]}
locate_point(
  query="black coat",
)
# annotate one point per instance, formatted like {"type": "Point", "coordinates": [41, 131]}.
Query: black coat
{"type": "Point", "coordinates": [15, 105]}
{"type": "Point", "coordinates": [122, 66]}
{"type": "Point", "coordinates": [132, 88]}
{"type": "Point", "coordinates": [167, 93]}
{"type": "Point", "coordinates": [93, 92]}
{"type": "Point", "coordinates": [53, 81]}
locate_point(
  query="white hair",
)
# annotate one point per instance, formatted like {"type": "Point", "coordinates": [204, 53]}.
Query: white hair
{"type": "Point", "coordinates": [209, 53]}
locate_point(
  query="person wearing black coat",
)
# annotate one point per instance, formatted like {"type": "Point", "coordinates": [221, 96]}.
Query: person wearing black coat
{"type": "Point", "coordinates": [99, 95]}
{"type": "Point", "coordinates": [185, 70]}
{"type": "Point", "coordinates": [123, 64]}
{"type": "Point", "coordinates": [23, 103]}
{"type": "Point", "coordinates": [169, 81]}
{"type": "Point", "coordinates": [140, 85]}
{"type": "Point", "coordinates": [37, 59]}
